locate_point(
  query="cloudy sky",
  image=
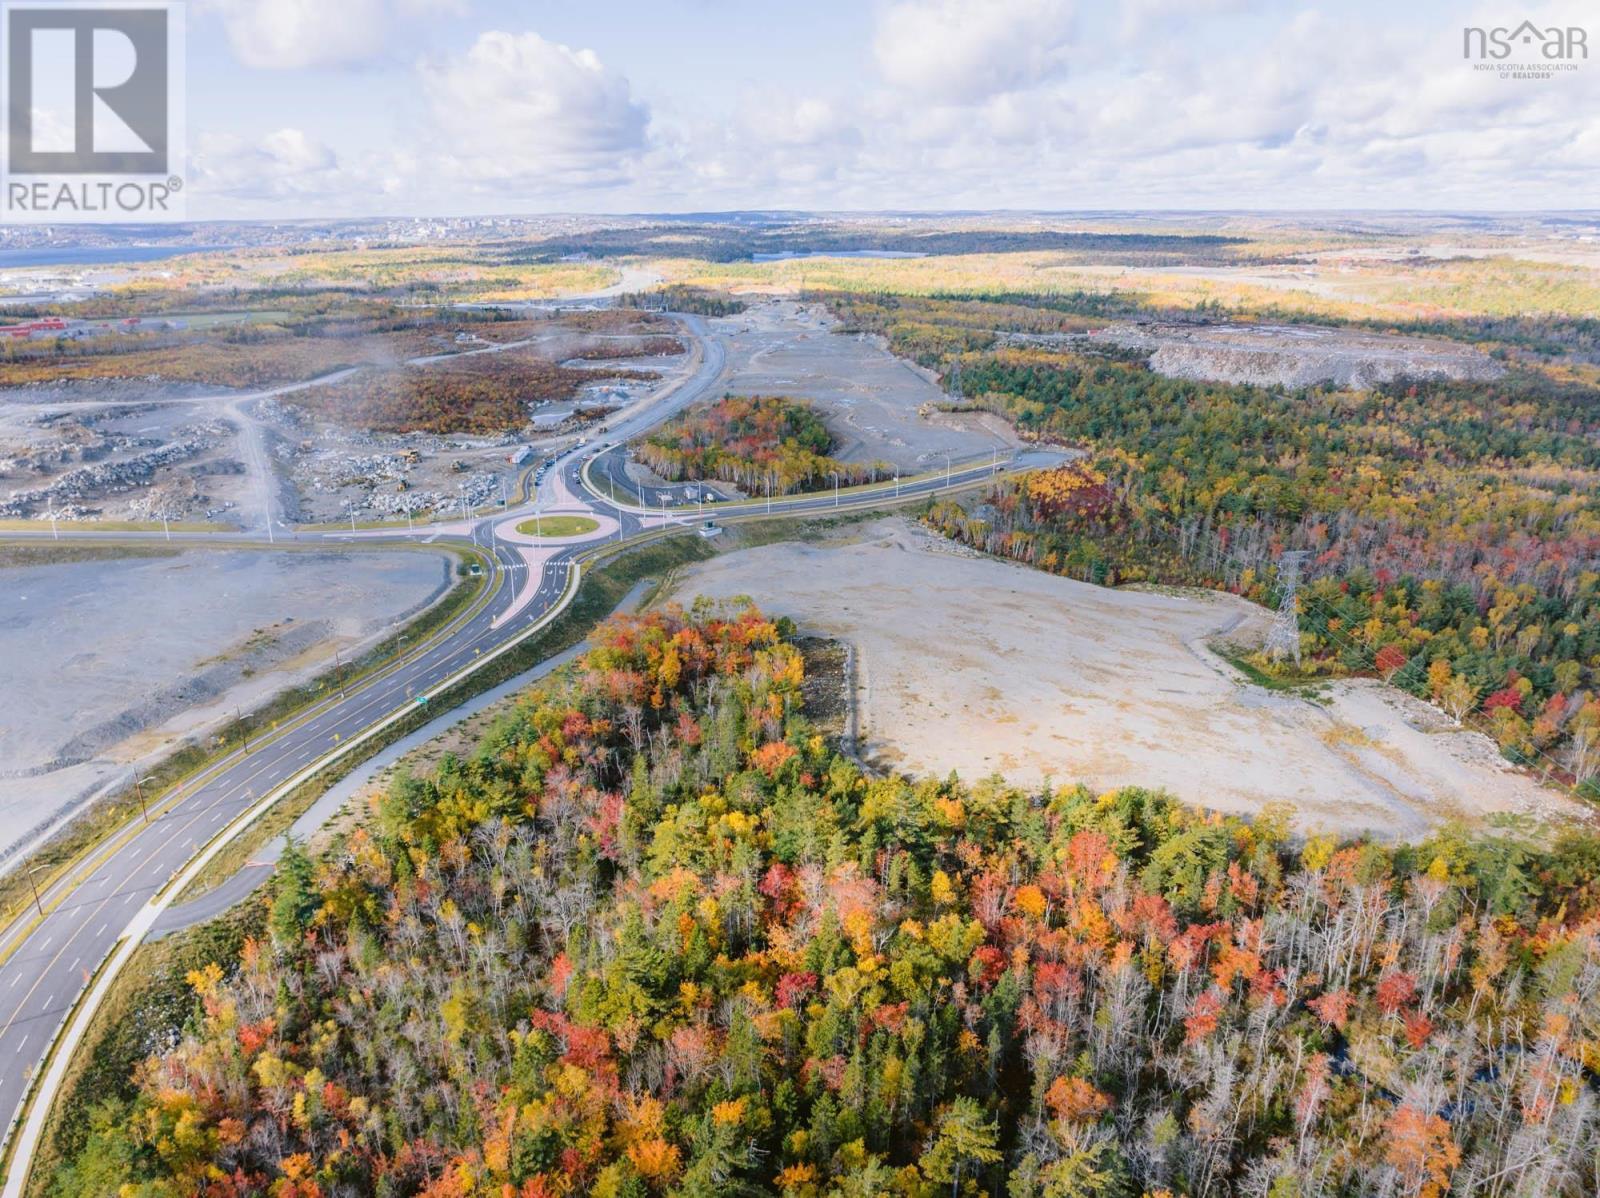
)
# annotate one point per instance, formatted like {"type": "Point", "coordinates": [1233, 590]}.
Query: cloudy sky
{"type": "Point", "coordinates": [378, 107]}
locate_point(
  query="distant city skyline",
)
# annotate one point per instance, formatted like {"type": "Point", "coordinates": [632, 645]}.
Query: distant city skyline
{"type": "Point", "coordinates": [301, 108]}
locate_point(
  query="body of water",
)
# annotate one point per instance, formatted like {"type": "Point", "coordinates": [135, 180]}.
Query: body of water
{"type": "Point", "coordinates": [92, 255]}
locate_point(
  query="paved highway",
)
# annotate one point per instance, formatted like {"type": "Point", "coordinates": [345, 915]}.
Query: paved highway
{"type": "Point", "coordinates": [50, 958]}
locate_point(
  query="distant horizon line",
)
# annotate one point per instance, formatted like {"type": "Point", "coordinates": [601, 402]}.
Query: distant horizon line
{"type": "Point", "coordinates": [791, 213]}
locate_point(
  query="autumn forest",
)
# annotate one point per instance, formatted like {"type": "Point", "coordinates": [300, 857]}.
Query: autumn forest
{"type": "Point", "coordinates": [655, 935]}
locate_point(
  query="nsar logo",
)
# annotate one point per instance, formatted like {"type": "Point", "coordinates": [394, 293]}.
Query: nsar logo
{"type": "Point", "coordinates": [1556, 42]}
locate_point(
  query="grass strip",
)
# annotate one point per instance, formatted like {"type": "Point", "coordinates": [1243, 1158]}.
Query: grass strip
{"type": "Point", "coordinates": [85, 831]}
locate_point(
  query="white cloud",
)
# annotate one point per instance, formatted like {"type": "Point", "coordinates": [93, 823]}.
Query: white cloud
{"type": "Point", "coordinates": [287, 35]}
{"type": "Point", "coordinates": [960, 51]}
{"type": "Point", "coordinates": [981, 103]}
{"type": "Point", "coordinates": [286, 163]}
{"type": "Point", "coordinates": [519, 107]}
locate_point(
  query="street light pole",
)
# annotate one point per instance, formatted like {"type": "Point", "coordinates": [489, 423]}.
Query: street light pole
{"type": "Point", "coordinates": [947, 470]}
{"type": "Point", "coordinates": [835, 474]}
{"type": "Point", "coordinates": [55, 532]}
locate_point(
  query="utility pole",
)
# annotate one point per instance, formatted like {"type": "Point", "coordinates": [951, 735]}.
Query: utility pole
{"type": "Point", "coordinates": [1283, 640]}
{"type": "Point", "coordinates": [835, 474]}
{"type": "Point", "coordinates": [55, 532]}
{"type": "Point", "coordinates": [897, 484]}
{"type": "Point", "coordinates": [165, 527]}
{"type": "Point", "coordinates": [947, 470]}
{"type": "Point", "coordinates": [37, 905]}
{"type": "Point", "coordinates": [338, 666]}
{"type": "Point", "coordinates": [244, 733]}
{"type": "Point", "coordinates": [138, 789]}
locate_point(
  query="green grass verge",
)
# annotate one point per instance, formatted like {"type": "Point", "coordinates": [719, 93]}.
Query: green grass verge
{"type": "Point", "coordinates": [24, 555]}
{"type": "Point", "coordinates": [84, 833]}
{"type": "Point", "coordinates": [558, 526]}
{"type": "Point", "coordinates": [15, 525]}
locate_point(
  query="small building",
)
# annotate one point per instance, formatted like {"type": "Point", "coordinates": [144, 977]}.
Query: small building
{"type": "Point", "coordinates": [523, 455]}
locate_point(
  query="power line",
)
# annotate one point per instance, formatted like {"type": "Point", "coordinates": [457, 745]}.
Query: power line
{"type": "Point", "coordinates": [1286, 621]}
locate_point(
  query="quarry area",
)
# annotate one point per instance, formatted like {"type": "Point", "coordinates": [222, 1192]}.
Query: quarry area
{"type": "Point", "coordinates": [1297, 355]}
{"type": "Point", "coordinates": [198, 634]}
{"type": "Point", "coordinates": [382, 438]}
{"type": "Point", "coordinates": [136, 459]}
{"type": "Point", "coordinates": [1006, 670]}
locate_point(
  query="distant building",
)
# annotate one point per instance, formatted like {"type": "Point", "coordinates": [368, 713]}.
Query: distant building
{"type": "Point", "coordinates": [523, 455]}
{"type": "Point", "coordinates": [43, 327]}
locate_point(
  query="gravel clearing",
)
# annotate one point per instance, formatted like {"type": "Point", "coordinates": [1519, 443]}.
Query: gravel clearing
{"type": "Point", "coordinates": [122, 658]}
{"type": "Point", "coordinates": [984, 667]}
{"type": "Point", "coordinates": [877, 406]}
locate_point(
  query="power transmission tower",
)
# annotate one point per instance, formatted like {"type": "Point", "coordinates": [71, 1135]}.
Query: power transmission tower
{"type": "Point", "coordinates": [955, 381]}
{"type": "Point", "coordinates": [1284, 638]}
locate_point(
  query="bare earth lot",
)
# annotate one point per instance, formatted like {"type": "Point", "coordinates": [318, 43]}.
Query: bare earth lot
{"type": "Point", "coordinates": [119, 658]}
{"type": "Point", "coordinates": [984, 667]}
{"type": "Point", "coordinates": [1299, 355]}
{"type": "Point", "coordinates": [869, 398]}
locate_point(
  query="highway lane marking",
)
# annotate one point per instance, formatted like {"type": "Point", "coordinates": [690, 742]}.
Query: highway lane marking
{"type": "Point", "coordinates": [441, 651]}
{"type": "Point", "coordinates": [64, 886]}
{"type": "Point", "coordinates": [45, 970]}
{"type": "Point", "coordinates": [232, 792]}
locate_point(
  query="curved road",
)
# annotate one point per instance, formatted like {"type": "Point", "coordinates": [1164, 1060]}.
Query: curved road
{"type": "Point", "coordinates": [49, 960]}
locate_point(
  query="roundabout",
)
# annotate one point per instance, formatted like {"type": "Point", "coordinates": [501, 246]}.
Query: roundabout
{"type": "Point", "coordinates": [558, 527]}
